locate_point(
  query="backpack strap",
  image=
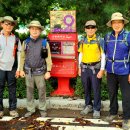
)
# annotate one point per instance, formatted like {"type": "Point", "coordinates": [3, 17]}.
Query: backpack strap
{"type": "Point", "coordinates": [125, 36]}
{"type": "Point", "coordinates": [44, 42]}
{"type": "Point", "coordinates": [15, 47]}
{"type": "Point", "coordinates": [26, 43]}
{"type": "Point", "coordinates": [108, 36]}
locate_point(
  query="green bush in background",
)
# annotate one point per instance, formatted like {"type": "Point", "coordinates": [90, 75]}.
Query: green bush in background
{"type": "Point", "coordinates": [52, 84]}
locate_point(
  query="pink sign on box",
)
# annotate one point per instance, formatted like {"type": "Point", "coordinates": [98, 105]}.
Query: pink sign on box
{"type": "Point", "coordinates": [63, 21]}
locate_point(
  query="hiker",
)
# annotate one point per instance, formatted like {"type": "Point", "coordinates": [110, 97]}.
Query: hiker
{"type": "Point", "coordinates": [35, 66]}
{"type": "Point", "coordinates": [91, 68]}
{"type": "Point", "coordinates": [117, 47]}
{"type": "Point", "coordinates": [10, 47]}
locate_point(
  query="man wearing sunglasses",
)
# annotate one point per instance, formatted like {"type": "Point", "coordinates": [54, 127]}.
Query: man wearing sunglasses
{"type": "Point", "coordinates": [9, 60]}
{"type": "Point", "coordinates": [91, 67]}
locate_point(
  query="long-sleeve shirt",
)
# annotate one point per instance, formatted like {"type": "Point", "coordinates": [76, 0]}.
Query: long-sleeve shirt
{"type": "Point", "coordinates": [7, 50]}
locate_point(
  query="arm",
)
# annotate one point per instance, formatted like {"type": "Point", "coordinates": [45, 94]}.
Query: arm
{"type": "Point", "coordinates": [103, 60]}
{"type": "Point", "coordinates": [22, 60]}
{"type": "Point", "coordinates": [18, 59]}
{"type": "Point", "coordinates": [80, 59]}
{"type": "Point", "coordinates": [128, 41]}
{"type": "Point", "coordinates": [48, 63]}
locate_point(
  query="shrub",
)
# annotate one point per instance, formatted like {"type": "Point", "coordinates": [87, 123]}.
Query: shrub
{"type": "Point", "coordinates": [52, 84]}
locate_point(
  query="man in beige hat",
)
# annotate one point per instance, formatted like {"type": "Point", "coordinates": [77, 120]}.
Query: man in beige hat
{"type": "Point", "coordinates": [118, 67]}
{"type": "Point", "coordinates": [35, 66]}
{"type": "Point", "coordinates": [10, 47]}
{"type": "Point", "coordinates": [91, 68]}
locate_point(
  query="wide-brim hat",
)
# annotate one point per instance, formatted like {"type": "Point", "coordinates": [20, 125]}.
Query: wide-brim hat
{"type": "Point", "coordinates": [117, 16]}
{"type": "Point", "coordinates": [9, 18]}
{"type": "Point", "coordinates": [35, 23]}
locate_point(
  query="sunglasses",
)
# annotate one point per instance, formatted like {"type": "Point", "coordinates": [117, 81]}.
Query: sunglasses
{"type": "Point", "coordinates": [9, 23]}
{"type": "Point", "coordinates": [90, 27]}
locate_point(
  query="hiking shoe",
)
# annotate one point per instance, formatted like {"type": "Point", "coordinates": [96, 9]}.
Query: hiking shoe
{"type": "Point", "coordinates": [86, 110]}
{"type": "Point", "coordinates": [1, 114]}
{"type": "Point", "coordinates": [28, 114]}
{"type": "Point", "coordinates": [110, 118]}
{"type": "Point", "coordinates": [14, 113]}
{"type": "Point", "coordinates": [96, 114]}
{"type": "Point", "coordinates": [126, 125]}
{"type": "Point", "coordinates": [43, 113]}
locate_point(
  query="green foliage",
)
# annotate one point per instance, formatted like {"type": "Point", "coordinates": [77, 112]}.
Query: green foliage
{"type": "Point", "coordinates": [99, 10]}
{"type": "Point", "coordinates": [104, 89]}
{"type": "Point", "coordinates": [21, 88]}
{"type": "Point", "coordinates": [52, 84]}
{"type": "Point", "coordinates": [79, 91]}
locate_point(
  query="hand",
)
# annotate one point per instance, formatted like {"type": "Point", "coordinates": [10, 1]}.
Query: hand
{"type": "Point", "coordinates": [22, 74]}
{"type": "Point", "coordinates": [100, 74]}
{"type": "Point", "coordinates": [17, 74]}
{"type": "Point", "coordinates": [47, 75]}
{"type": "Point", "coordinates": [129, 78]}
{"type": "Point", "coordinates": [79, 71]}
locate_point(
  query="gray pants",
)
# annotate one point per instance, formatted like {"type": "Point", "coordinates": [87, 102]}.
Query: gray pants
{"type": "Point", "coordinates": [41, 86]}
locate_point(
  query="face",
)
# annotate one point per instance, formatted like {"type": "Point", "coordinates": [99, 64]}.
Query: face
{"type": "Point", "coordinates": [117, 25]}
{"type": "Point", "coordinates": [90, 30]}
{"type": "Point", "coordinates": [7, 26]}
{"type": "Point", "coordinates": [35, 32]}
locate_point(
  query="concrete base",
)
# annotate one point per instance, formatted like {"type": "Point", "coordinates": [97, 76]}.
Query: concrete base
{"type": "Point", "coordinates": [60, 103]}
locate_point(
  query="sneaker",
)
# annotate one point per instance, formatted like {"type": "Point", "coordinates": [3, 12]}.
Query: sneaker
{"type": "Point", "coordinates": [43, 113]}
{"type": "Point", "coordinates": [14, 113]}
{"type": "Point", "coordinates": [28, 114]}
{"type": "Point", "coordinates": [1, 114]}
{"type": "Point", "coordinates": [86, 110]}
{"type": "Point", "coordinates": [110, 118]}
{"type": "Point", "coordinates": [126, 124]}
{"type": "Point", "coordinates": [96, 114]}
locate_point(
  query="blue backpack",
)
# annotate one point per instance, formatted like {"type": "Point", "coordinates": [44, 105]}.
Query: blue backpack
{"type": "Point", "coordinates": [44, 51]}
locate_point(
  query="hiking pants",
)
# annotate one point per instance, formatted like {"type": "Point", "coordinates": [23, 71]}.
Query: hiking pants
{"type": "Point", "coordinates": [9, 77]}
{"type": "Point", "coordinates": [41, 86]}
{"type": "Point", "coordinates": [91, 82]}
{"type": "Point", "coordinates": [113, 82]}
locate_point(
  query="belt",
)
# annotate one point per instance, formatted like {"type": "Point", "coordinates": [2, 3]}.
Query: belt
{"type": "Point", "coordinates": [34, 69]}
{"type": "Point", "coordinates": [91, 64]}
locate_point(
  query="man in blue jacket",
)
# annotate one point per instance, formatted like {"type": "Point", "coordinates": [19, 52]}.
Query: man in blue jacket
{"type": "Point", "coordinates": [117, 45]}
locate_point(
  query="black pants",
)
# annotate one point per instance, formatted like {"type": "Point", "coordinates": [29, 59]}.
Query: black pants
{"type": "Point", "coordinates": [91, 82]}
{"type": "Point", "coordinates": [114, 81]}
{"type": "Point", "coordinates": [9, 77]}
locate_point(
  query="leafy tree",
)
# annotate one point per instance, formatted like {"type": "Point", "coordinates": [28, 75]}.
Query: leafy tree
{"type": "Point", "coordinates": [99, 10]}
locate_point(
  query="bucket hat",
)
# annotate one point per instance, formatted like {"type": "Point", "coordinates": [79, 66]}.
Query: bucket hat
{"type": "Point", "coordinates": [9, 18]}
{"type": "Point", "coordinates": [35, 23]}
{"type": "Point", "coordinates": [117, 16]}
{"type": "Point", "coordinates": [90, 23]}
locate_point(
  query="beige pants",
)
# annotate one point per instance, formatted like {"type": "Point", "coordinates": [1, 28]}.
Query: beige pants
{"type": "Point", "coordinates": [41, 86]}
